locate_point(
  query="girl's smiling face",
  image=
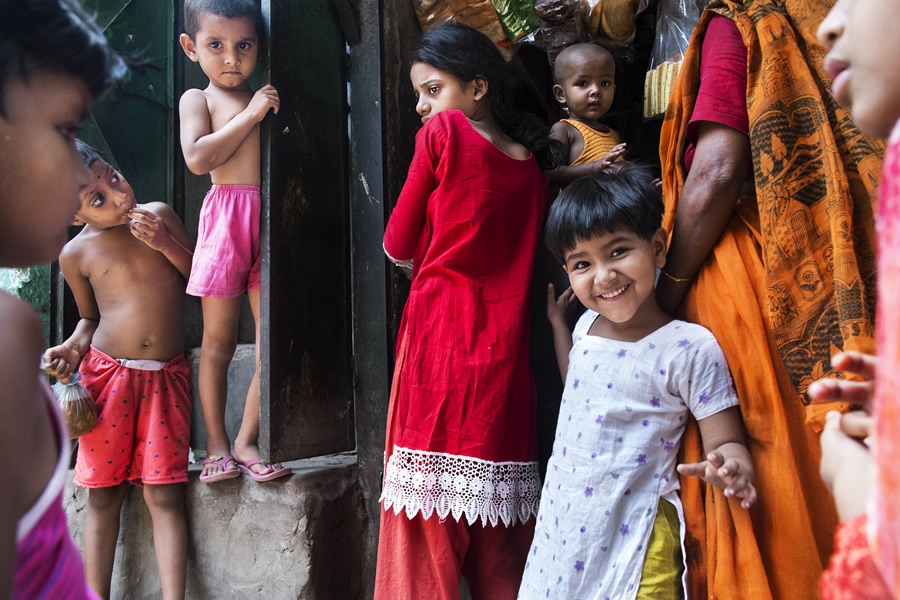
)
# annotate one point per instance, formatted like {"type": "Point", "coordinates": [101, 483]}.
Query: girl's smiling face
{"type": "Point", "coordinates": [864, 39]}
{"type": "Point", "coordinates": [437, 91]}
{"type": "Point", "coordinates": [614, 274]}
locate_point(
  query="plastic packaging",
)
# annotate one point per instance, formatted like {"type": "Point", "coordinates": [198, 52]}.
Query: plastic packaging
{"type": "Point", "coordinates": [517, 17]}
{"type": "Point", "coordinates": [477, 14]}
{"type": "Point", "coordinates": [77, 406]}
{"type": "Point", "coordinates": [562, 24]}
{"type": "Point", "coordinates": [675, 22]}
{"type": "Point", "coordinates": [611, 22]}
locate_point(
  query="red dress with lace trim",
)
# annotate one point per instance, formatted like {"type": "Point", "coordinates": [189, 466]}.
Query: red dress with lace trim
{"type": "Point", "coordinates": [461, 433]}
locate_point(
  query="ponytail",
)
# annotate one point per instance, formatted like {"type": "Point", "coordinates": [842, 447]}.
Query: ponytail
{"type": "Point", "coordinates": [468, 54]}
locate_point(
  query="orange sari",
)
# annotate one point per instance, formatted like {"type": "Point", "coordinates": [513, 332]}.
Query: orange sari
{"type": "Point", "coordinates": [790, 283]}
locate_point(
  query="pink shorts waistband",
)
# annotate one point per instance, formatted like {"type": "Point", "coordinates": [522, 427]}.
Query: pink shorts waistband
{"type": "Point", "coordinates": [233, 187]}
{"type": "Point", "coordinates": [142, 364]}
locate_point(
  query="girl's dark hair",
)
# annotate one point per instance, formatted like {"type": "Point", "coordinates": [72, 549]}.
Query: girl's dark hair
{"type": "Point", "coordinates": [54, 35]}
{"type": "Point", "coordinates": [88, 153]}
{"type": "Point", "coordinates": [230, 9]}
{"type": "Point", "coordinates": [604, 203]}
{"type": "Point", "coordinates": [468, 54]}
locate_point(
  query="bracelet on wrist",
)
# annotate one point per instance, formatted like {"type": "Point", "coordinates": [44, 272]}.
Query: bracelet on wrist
{"type": "Point", "coordinates": [676, 279]}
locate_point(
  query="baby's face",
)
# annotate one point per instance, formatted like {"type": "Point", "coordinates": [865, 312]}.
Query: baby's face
{"type": "Point", "coordinates": [588, 85]}
{"type": "Point", "coordinates": [864, 37]}
{"type": "Point", "coordinates": [107, 200]}
{"type": "Point", "coordinates": [226, 48]}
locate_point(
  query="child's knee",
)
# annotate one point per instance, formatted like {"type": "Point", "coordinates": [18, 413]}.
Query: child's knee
{"type": "Point", "coordinates": [165, 498]}
{"type": "Point", "coordinates": [107, 498]}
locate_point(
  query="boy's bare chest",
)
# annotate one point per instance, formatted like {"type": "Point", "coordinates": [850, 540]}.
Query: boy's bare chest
{"type": "Point", "coordinates": [222, 109]}
{"type": "Point", "coordinates": [120, 262]}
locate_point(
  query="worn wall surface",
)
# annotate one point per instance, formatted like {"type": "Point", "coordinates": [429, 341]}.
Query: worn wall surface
{"type": "Point", "coordinates": [298, 537]}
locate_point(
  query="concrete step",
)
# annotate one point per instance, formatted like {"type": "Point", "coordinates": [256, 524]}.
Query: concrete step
{"type": "Point", "coordinates": [299, 537]}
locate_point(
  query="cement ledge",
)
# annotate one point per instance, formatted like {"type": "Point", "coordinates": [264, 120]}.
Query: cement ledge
{"type": "Point", "coordinates": [300, 536]}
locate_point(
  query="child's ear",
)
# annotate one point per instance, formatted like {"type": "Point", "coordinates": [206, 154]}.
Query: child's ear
{"type": "Point", "coordinates": [660, 244]}
{"type": "Point", "coordinates": [481, 88]}
{"type": "Point", "coordinates": [559, 94]}
{"type": "Point", "coordinates": [187, 44]}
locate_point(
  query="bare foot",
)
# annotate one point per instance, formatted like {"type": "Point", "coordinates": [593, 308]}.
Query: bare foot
{"type": "Point", "coordinates": [249, 453]}
{"type": "Point", "coordinates": [214, 465]}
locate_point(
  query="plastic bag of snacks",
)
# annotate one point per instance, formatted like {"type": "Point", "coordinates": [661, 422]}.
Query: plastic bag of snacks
{"type": "Point", "coordinates": [517, 17]}
{"type": "Point", "coordinates": [77, 406]}
{"type": "Point", "coordinates": [562, 24]}
{"type": "Point", "coordinates": [477, 14]}
{"type": "Point", "coordinates": [612, 21]}
{"type": "Point", "coordinates": [675, 22]}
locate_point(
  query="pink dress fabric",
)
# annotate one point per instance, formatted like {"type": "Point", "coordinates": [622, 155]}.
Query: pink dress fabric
{"type": "Point", "coordinates": [885, 519]}
{"type": "Point", "coordinates": [48, 563]}
{"type": "Point", "coordinates": [461, 424]}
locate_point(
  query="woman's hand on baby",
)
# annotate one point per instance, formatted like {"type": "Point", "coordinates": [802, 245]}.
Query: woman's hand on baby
{"type": "Point", "coordinates": [558, 309]}
{"type": "Point", "coordinates": [607, 162]}
{"type": "Point", "coordinates": [733, 474]}
{"type": "Point", "coordinates": [60, 362]}
{"type": "Point", "coordinates": [150, 229]}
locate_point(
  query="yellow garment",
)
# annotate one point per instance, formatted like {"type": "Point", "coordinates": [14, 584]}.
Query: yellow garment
{"type": "Point", "coordinates": [663, 565]}
{"type": "Point", "coordinates": [596, 143]}
{"type": "Point", "coordinates": [790, 282]}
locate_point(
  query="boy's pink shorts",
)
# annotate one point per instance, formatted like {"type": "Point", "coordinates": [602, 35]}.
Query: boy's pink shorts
{"type": "Point", "coordinates": [226, 258]}
{"type": "Point", "coordinates": [143, 429]}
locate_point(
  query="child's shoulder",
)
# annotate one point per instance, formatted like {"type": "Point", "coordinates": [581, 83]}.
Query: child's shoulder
{"type": "Point", "coordinates": [23, 334]}
{"type": "Point", "coordinates": [193, 101]}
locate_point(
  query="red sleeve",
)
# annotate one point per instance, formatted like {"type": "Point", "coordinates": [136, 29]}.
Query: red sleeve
{"type": "Point", "coordinates": [722, 97]}
{"type": "Point", "coordinates": [852, 574]}
{"type": "Point", "coordinates": [408, 216]}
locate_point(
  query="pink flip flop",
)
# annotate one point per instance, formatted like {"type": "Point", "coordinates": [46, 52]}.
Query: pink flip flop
{"type": "Point", "coordinates": [272, 474]}
{"type": "Point", "coordinates": [225, 473]}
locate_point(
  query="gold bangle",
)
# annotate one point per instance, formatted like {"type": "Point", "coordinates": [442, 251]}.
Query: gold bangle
{"type": "Point", "coordinates": [676, 279]}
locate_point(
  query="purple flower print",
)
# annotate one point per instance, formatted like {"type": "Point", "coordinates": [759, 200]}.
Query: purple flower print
{"type": "Point", "coordinates": [575, 385]}
{"type": "Point", "coordinates": [623, 529]}
{"type": "Point", "coordinates": [654, 401]}
{"type": "Point", "coordinates": [588, 492]}
{"type": "Point", "coordinates": [703, 398]}
{"type": "Point", "coordinates": [683, 344]}
{"type": "Point", "coordinates": [669, 446]}
{"type": "Point", "coordinates": [621, 353]}
{"type": "Point", "coordinates": [579, 565]}
{"type": "Point", "coordinates": [584, 353]}
{"type": "Point", "coordinates": [645, 422]}
{"type": "Point", "coordinates": [662, 371]}
{"type": "Point", "coordinates": [628, 492]}
{"type": "Point", "coordinates": [641, 459]}
{"type": "Point", "coordinates": [599, 420]}
{"type": "Point", "coordinates": [582, 530]}
{"type": "Point", "coordinates": [609, 386]}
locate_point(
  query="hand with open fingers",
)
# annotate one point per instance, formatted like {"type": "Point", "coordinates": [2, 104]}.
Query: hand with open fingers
{"type": "Point", "coordinates": [559, 309]}
{"type": "Point", "coordinates": [846, 466]}
{"type": "Point", "coordinates": [606, 163]}
{"type": "Point", "coordinates": [733, 474]}
{"type": "Point", "coordinates": [264, 99]}
{"type": "Point", "coordinates": [60, 362]}
{"type": "Point", "coordinates": [149, 228]}
{"type": "Point", "coordinates": [843, 390]}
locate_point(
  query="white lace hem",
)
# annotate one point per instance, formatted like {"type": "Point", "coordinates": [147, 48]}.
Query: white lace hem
{"type": "Point", "coordinates": [434, 482]}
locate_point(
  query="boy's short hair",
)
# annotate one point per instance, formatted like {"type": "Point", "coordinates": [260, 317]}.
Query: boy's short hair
{"type": "Point", "coordinates": [563, 60]}
{"type": "Point", "coordinates": [88, 153]}
{"type": "Point", "coordinates": [54, 35]}
{"type": "Point", "coordinates": [230, 9]}
{"type": "Point", "coordinates": [604, 203]}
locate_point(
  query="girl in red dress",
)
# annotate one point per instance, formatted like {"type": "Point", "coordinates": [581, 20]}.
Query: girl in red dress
{"type": "Point", "coordinates": [461, 483]}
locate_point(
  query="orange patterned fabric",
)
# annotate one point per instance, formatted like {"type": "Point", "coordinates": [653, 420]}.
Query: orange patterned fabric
{"type": "Point", "coordinates": [790, 282]}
